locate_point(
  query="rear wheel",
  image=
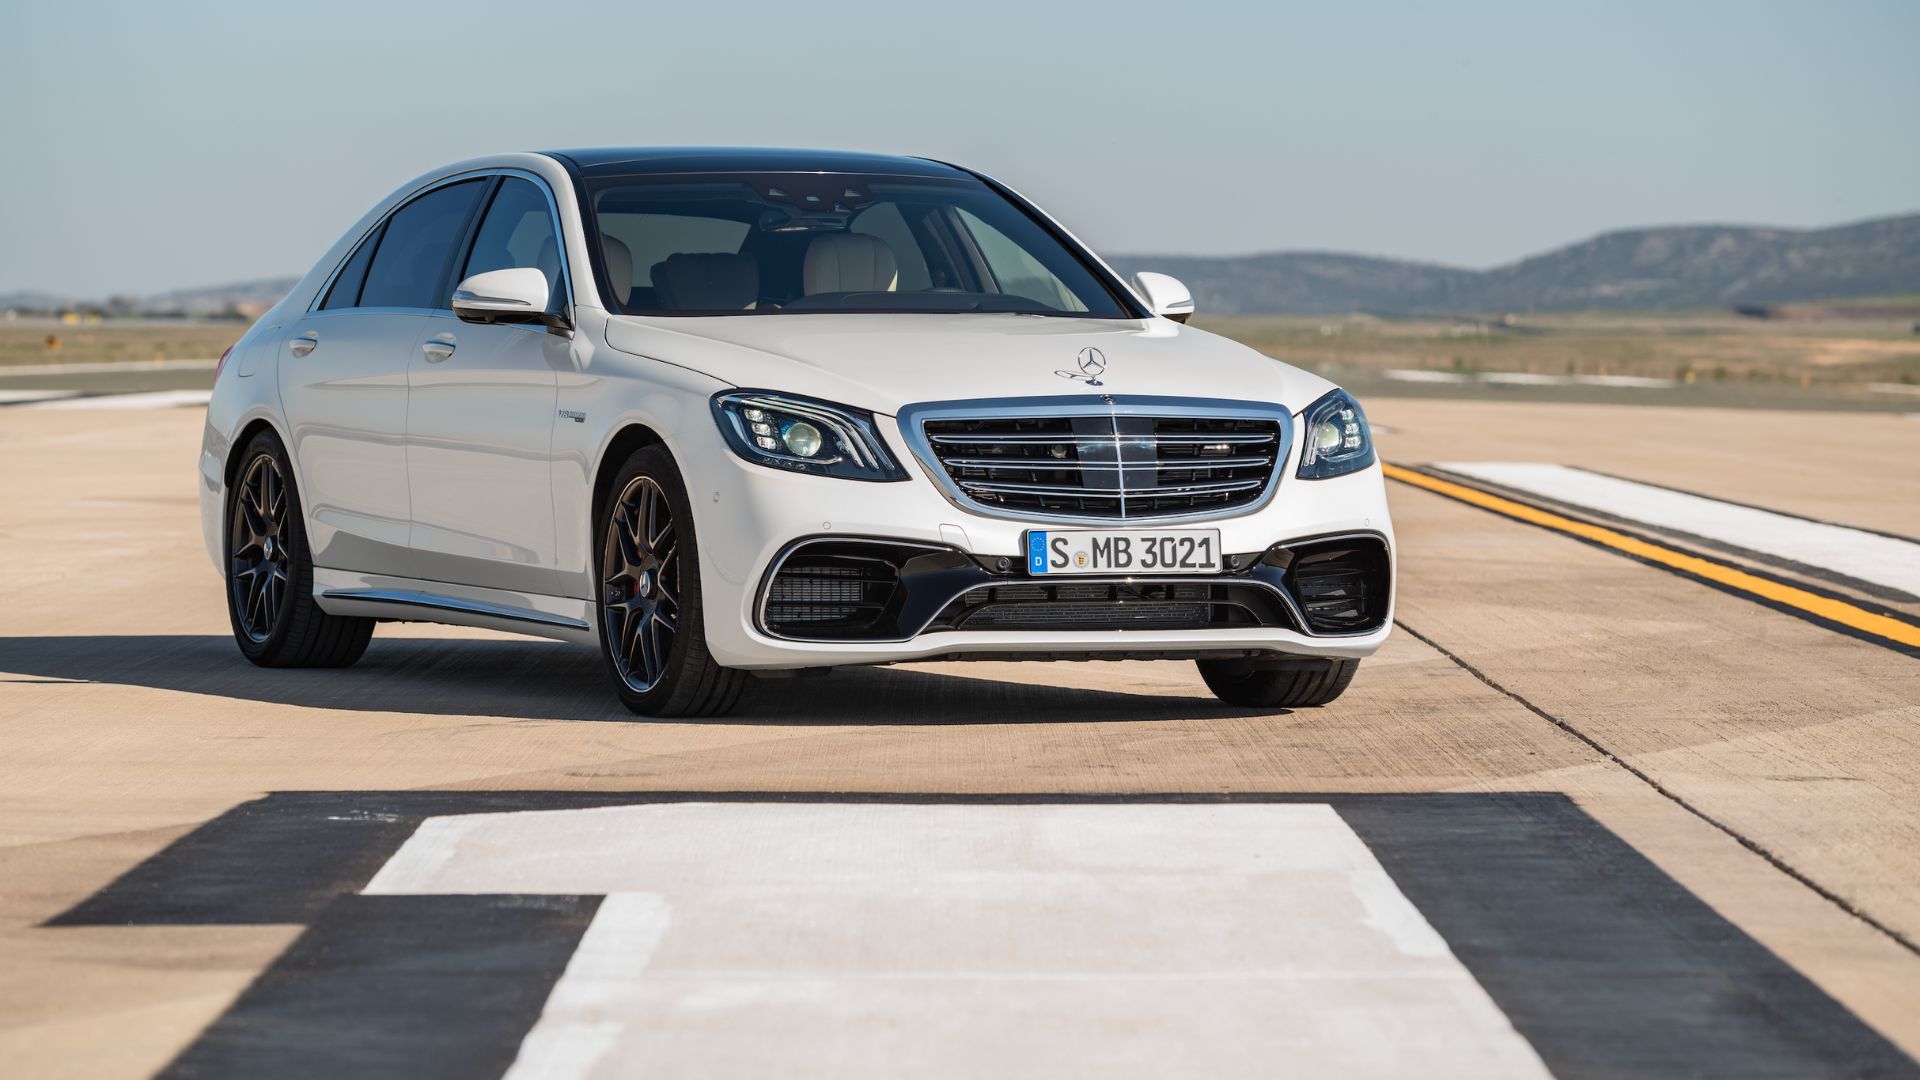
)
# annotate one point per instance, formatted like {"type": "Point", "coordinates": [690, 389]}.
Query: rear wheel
{"type": "Point", "coordinates": [276, 621]}
{"type": "Point", "coordinates": [652, 629]}
{"type": "Point", "coordinates": [1278, 684]}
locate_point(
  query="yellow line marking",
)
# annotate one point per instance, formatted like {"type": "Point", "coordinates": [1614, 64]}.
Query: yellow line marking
{"type": "Point", "coordinates": [1837, 611]}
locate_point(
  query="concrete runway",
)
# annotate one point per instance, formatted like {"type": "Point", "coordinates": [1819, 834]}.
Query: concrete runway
{"type": "Point", "coordinates": [1584, 815]}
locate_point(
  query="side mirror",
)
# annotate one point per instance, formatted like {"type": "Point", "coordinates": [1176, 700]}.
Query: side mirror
{"type": "Point", "coordinates": [514, 295]}
{"type": "Point", "coordinates": [1164, 295]}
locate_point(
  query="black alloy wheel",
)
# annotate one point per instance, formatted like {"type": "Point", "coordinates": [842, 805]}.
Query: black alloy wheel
{"type": "Point", "coordinates": [259, 562]}
{"type": "Point", "coordinates": [652, 632]}
{"type": "Point", "coordinates": [641, 583]}
{"type": "Point", "coordinates": [276, 621]}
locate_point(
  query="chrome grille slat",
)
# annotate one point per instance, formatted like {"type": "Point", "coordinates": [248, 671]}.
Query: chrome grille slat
{"type": "Point", "coordinates": [1067, 436]}
{"type": "Point", "coordinates": [1161, 463]}
{"type": "Point", "coordinates": [1112, 493]}
{"type": "Point", "coordinates": [1121, 460]}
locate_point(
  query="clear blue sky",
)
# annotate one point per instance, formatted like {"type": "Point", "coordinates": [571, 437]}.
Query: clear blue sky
{"type": "Point", "coordinates": [152, 145]}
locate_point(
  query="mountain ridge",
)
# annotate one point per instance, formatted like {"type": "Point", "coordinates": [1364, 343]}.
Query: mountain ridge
{"type": "Point", "coordinates": [1667, 266]}
{"type": "Point", "coordinates": [1662, 266]}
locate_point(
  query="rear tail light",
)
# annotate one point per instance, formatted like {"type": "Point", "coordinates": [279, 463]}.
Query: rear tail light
{"type": "Point", "coordinates": [222, 365]}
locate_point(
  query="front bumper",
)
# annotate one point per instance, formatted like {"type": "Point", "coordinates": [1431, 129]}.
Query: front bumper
{"type": "Point", "coordinates": [747, 516]}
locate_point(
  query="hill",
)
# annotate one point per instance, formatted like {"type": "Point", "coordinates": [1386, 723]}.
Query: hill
{"type": "Point", "coordinates": [1672, 267]}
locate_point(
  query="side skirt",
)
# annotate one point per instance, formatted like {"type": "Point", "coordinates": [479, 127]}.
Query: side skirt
{"type": "Point", "coordinates": [378, 596]}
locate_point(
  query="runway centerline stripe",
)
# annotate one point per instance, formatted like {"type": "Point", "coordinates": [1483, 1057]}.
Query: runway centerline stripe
{"type": "Point", "coordinates": [1864, 556]}
{"type": "Point", "coordinates": [877, 939]}
{"type": "Point", "coordinates": [1879, 627]}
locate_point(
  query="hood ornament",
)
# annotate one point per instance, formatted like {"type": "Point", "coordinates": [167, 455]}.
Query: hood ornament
{"type": "Point", "coordinates": [1093, 364]}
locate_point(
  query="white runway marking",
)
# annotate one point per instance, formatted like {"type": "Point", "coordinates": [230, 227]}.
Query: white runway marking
{"type": "Point", "coordinates": [1527, 378]}
{"type": "Point", "coordinates": [22, 397]}
{"type": "Point", "coordinates": [1865, 556]}
{"type": "Point", "coordinates": [156, 399]}
{"type": "Point", "coordinates": [815, 939]}
{"type": "Point", "coordinates": [106, 367]}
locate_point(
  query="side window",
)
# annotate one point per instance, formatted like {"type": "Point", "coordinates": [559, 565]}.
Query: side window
{"type": "Point", "coordinates": [1019, 273]}
{"type": "Point", "coordinates": [346, 287]}
{"type": "Point", "coordinates": [884, 220]}
{"type": "Point", "coordinates": [410, 267]}
{"type": "Point", "coordinates": [517, 232]}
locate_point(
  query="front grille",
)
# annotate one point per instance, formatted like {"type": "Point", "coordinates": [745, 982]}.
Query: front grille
{"type": "Point", "coordinates": [1114, 606]}
{"type": "Point", "coordinates": [1103, 465]}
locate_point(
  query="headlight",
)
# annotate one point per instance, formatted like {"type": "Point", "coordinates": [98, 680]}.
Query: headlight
{"type": "Point", "coordinates": [799, 434]}
{"type": "Point", "coordinates": [1336, 439]}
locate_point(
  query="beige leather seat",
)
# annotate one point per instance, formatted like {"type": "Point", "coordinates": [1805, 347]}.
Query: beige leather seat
{"type": "Point", "coordinates": [707, 282]}
{"type": "Point", "coordinates": [849, 262]}
{"type": "Point", "coordinates": [619, 259]}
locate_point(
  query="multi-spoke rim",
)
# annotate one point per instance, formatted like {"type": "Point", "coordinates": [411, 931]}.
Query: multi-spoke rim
{"type": "Point", "coordinates": [258, 554]}
{"type": "Point", "coordinates": [640, 583]}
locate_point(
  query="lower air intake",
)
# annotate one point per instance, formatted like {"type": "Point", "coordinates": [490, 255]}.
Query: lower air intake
{"type": "Point", "coordinates": [1340, 585]}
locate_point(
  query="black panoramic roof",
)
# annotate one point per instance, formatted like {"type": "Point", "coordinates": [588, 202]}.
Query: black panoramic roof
{"type": "Point", "coordinates": [611, 160]}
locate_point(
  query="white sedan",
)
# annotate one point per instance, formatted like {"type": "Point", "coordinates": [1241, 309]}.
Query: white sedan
{"type": "Point", "coordinates": [721, 413]}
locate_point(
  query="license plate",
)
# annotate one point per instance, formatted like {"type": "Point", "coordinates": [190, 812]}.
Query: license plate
{"type": "Point", "coordinates": [1128, 551]}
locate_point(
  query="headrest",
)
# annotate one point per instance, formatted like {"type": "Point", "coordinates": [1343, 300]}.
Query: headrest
{"type": "Point", "coordinates": [849, 262]}
{"type": "Point", "coordinates": [619, 265]}
{"type": "Point", "coordinates": [707, 282]}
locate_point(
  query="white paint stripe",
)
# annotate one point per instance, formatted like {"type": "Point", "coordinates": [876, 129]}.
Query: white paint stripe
{"type": "Point", "coordinates": [885, 940]}
{"type": "Point", "coordinates": [1421, 375]}
{"type": "Point", "coordinates": [1865, 556]}
{"type": "Point", "coordinates": [157, 399]}
{"type": "Point", "coordinates": [105, 367]}
{"type": "Point", "coordinates": [590, 1005]}
{"type": "Point", "coordinates": [17, 397]}
{"type": "Point", "coordinates": [1528, 378]}
{"type": "Point", "coordinates": [1893, 388]}
{"type": "Point", "coordinates": [1647, 382]}
{"type": "Point", "coordinates": [1525, 378]}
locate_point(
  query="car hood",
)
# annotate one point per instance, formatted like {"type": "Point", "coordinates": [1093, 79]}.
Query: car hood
{"type": "Point", "coordinates": [886, 362]}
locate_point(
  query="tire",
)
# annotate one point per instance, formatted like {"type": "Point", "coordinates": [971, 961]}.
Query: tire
{"type": "Point", "coordinates": [270, 604]}
{"type": "Point", "coordinates": [1278, 684]}
{"type": "Point", "coordinates": [649, 573]}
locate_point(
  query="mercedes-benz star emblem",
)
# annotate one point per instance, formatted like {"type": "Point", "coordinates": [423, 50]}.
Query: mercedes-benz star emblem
{"type": "Point", "coordinates": [1093, 364]}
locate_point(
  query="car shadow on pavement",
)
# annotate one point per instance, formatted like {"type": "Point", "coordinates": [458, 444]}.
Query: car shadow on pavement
{"type": "Point", "coordinates": [539, 680]}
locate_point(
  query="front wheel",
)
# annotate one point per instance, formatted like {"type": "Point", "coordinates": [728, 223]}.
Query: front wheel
{"type": "Point", "coordinates": [652, 627]}
{"type": "Point", "coordinates": [1278, 684]}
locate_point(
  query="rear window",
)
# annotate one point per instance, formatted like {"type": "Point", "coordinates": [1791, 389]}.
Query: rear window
{"type": "Point", "coordinates": [346, 288]}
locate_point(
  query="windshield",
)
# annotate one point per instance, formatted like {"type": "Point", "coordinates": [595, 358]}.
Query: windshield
{"type": "Point", "coordinates": [756, 244]}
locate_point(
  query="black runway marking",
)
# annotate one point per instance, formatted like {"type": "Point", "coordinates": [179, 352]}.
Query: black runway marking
{"type": "Point", "coordinates": [401, 986]}
{"type": "Point", "coordinates": [1604, 963]}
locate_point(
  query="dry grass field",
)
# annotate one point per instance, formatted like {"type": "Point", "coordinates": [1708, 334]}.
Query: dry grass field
{"type": "Point", "coordinates": [31, 341]}
{"type": "Point", "coordinates": [1831, 346]}
{"type": "Point", "coordinates": [1855, 354]}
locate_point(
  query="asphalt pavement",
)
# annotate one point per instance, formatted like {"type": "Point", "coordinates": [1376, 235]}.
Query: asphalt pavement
{"type": "Point", "coordinates": [1633, 790]}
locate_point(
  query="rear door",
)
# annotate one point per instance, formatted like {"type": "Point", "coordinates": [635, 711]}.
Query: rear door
{"type": "Point", "coordinates": [481, 414]}
{"type": "Point", "coordinates": [343, 381]}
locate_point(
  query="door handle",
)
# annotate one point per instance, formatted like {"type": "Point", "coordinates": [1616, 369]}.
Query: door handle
{"type": "Point", "coordinates": [437, 350]}
{"type": "Point", "coordinates": [304, 344]}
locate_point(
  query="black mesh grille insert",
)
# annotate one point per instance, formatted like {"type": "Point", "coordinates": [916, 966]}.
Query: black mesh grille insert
{"type": "Point", "coordinates": [827, 593]}
{"type": "Point", "coordinates": [1105, 466]}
